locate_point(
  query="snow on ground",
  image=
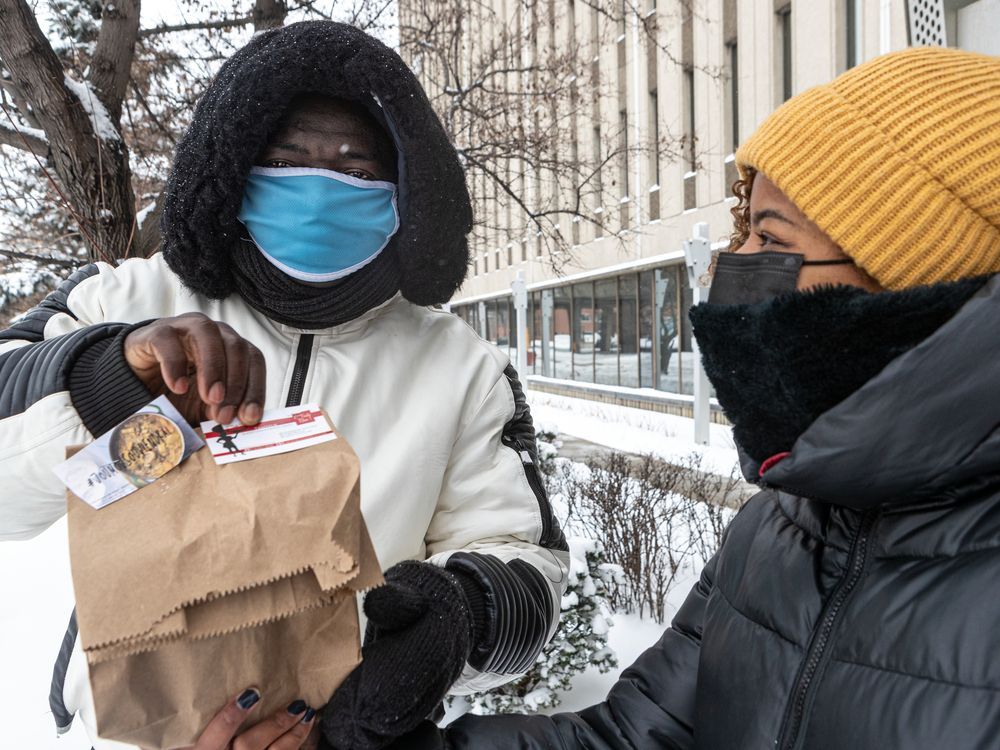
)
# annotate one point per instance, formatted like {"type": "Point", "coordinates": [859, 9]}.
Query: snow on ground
{"type": "Point", "coordinates": [37, 597]}
{"type": "Point", "coordinates": [633, 430]}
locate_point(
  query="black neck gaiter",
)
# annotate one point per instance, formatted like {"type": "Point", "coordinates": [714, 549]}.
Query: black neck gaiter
{"type": "Point", "coordinates": [778, 365]}
{"type": "Point", "coordinates": [288, 301]}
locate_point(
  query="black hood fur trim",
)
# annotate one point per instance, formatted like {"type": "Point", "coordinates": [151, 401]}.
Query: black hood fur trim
{"type": "Point", "coordinates": [778, 365]}
{"type": "Point", "coordinates": [243, 106]}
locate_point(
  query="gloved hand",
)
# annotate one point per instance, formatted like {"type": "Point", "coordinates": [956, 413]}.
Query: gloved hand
{"type": "Point", "coordinates": [420, 632]}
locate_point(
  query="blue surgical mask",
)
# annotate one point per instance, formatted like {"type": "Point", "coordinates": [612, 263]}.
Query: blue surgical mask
{"type": "Point", "coordinates": [315, 224]}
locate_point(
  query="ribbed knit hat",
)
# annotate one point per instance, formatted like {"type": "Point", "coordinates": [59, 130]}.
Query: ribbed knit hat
{"type": "Point", "coordinates": [898, 161]}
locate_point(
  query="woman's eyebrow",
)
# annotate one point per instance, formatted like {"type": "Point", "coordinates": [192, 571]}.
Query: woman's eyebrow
{"type": "Point", "coordinates": [771, 213]}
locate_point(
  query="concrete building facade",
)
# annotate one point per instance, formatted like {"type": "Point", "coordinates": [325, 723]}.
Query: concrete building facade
{"type": "Point", "coordinates": [611, 323]}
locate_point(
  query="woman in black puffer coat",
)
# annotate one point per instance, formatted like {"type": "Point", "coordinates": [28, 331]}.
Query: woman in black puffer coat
{"type": "Point", "coordinates": [854, 342]}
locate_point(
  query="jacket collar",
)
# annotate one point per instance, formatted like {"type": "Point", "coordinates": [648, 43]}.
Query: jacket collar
{"type": "Point", "coordinates": [930, 421]}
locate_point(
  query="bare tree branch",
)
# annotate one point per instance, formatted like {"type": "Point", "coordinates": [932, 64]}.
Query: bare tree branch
{"type": "Point", "coordinates": [29, 142]}
{"type": "Point", "coordinates": [223, 23]}
{"type": "Point", "coordinates": [62, 262]}
{"type": "Point", "coordinates": [112, 60]}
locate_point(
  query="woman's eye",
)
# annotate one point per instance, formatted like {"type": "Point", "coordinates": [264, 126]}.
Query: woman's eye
{"type": "Point", "coordinates": [766, 239]}
{"type": "Point", "coordinates": [277, 163]}
{"type": "Point", "coordinates": [359, 174]}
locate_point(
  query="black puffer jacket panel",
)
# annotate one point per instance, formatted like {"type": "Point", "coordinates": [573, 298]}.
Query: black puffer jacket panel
{"type": "Point", "coordinates": [865, 618]}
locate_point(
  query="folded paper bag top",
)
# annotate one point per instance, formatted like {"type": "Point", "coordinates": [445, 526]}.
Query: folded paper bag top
{"type": "Point", "coordinates": [214, 578]}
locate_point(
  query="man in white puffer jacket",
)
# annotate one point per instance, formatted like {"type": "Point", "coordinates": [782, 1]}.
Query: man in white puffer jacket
{"type": "Point", "coordinates": [314, 212]}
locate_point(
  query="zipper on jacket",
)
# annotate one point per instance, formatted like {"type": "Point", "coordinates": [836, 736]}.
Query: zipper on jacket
{"type": "Point", "coordinates": [805, 685]}
{"type": "Point", "coordinates": [302, 356]}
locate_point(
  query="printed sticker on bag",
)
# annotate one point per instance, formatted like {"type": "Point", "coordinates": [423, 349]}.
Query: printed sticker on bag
{"type": "Point", "coordinates": [133, 454]}
{"type": "Point", "coordinates": [279, 431]}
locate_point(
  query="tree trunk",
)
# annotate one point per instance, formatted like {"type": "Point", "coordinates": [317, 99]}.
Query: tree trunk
{"type": "Point", "coordinates": [269, 14]}
{"type": "Point", "coordinates": [86, 152]}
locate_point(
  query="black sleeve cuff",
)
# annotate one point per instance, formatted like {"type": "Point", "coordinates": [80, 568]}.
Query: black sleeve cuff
{"type": "Point", "coordinates": [475, 597]}
{"type": "Point", "coordinates": [517, 608]}
{"type": "Point", "coordinates": [102, 386]}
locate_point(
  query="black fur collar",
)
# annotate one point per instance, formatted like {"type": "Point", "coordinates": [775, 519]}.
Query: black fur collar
{"type": "Point", "coordinates": [778, 365]}
{"type": "Point", "coordinates": [243, 105]}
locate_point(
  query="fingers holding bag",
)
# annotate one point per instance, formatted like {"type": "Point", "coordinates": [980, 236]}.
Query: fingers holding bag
{"type": "Point", "coordinates": [284, 730]}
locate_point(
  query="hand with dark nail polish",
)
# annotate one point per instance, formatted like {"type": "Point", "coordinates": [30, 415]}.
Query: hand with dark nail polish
{"type": "Point", "coordinates": [286, 729]}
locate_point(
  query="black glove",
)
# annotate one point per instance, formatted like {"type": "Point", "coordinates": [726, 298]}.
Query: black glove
{"type": "Point", "coordinates": [420, 632]}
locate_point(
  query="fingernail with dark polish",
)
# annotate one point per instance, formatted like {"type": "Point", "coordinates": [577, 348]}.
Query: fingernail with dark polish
{"type": "Point", "coordinates": [310, 713]}
{"type": "Point", "coordinates": [247, 698]}
{"type": "Point", "coordinates": [297, 707]}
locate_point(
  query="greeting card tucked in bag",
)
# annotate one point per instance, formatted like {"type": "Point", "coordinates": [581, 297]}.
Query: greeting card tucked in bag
{"type": "Point", "coordinates": [215, 578]}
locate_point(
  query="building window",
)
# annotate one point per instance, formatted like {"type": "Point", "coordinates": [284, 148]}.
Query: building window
{"type": "Point", "coordinates": [690, 159]}
{"type": "Point", "coordinates": [606, 331]}
{"type": "Point", "coordinates": [511, 328]}
{"type": "Point", "coordinates": [598, 181]}
{"type": "Point", "coordinates": [733, 94]}
{"type": "Point", "coordinates": [623, 168]}
{"type": "Point", "coordinates": [785, 52]}
{"type": "Point", "coordinates": [628, 328]}
{"type": "Point", "coordinates": [535, 332]}
{"type": "Point", "coordinates": [731, 74]}
{"type": "Point", "coordinates": [667, 329]}
{"type": "Point", "coordinates": [562, 317]}
{"type": "Point", "coordinates": [583, 332]}
{"type": "Point", "coordinates": [623, 124]}
{"type": "Point", "coordinates": [502, 336]}
{"type": "Point", "coordinates": [685, 353]}
{"type": "Point", "coordinates": [491, 320]}
{"type": "Point", "coordinates": [646, 313]}
{"type": "Point", "coordinates": [653, 104]}
{"type": "Point", "coordinates": [688, 113]}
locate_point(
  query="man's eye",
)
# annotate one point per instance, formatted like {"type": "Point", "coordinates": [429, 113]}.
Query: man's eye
{"type": "Point", "coordinates": [277, 163]}
{"type": "Point", "coordinates": [766, 239]}
{"type": "Point", "coordinates": [358, 173]}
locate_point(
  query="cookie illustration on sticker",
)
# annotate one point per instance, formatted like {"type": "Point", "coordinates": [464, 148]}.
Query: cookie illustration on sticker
{"type": "Point", "coordinates": [145, 447]}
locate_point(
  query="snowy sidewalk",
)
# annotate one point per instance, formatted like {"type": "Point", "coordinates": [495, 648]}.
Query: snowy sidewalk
{"type": "Point", "coordinates": [589, 426]}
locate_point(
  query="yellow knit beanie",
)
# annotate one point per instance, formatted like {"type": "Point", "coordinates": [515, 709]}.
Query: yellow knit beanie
{"type": "Point", "coordinates": [898, 161]}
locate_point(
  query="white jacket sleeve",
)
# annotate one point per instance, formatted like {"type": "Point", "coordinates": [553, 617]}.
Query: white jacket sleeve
{"type": "Point", "coordinates": [494, 524]}
{"type": "Point", "coordinates": [63, 378]}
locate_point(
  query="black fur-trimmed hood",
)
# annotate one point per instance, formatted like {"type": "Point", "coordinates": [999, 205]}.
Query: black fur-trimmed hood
{"type": "Point", "coordinates": [242, 107]}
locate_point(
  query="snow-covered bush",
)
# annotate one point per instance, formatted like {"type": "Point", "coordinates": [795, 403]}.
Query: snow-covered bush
{"type": "Point", "coordinates": [580, 642]}
{"type": "Point", "coordinates": [659, 521]}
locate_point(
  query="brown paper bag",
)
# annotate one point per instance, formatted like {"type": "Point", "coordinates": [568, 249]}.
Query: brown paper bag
{"type": "Point", "coordinates": [216, 578]}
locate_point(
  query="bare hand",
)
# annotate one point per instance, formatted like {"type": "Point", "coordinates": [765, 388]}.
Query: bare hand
{"type": "Point", "coordinates": [283, 730]}
{"type": "Point", "coordinates": [229, 370]}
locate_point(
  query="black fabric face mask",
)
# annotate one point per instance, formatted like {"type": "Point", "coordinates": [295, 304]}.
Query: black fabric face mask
{"type": "Point", "coordinates": [746, 279]}
{"type": "Point", "coordinates": [777, 365]}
